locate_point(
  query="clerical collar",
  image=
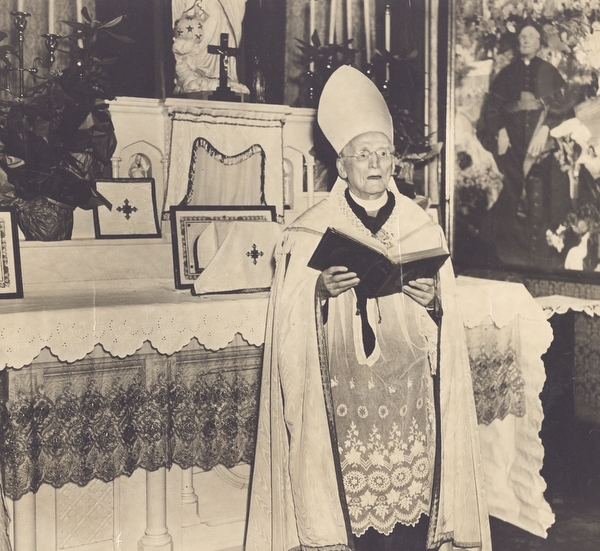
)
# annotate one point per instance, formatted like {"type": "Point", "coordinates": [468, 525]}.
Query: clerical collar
{"type": "Point", "coordinates": [372, 223]}
{"type": "Point", "coordinates": [370, 205]}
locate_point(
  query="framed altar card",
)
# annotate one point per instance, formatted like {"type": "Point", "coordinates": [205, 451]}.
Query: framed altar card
{"type": "Point", "coordinates": [11, 282]}
{"type": "Point", "coordinates": [134, 213]}
{"type": "Point", "coordinates": [197, 232]}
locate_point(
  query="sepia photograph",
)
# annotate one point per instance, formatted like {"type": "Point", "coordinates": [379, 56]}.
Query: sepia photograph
{"type": "Point", "coordinates": [300, 275]}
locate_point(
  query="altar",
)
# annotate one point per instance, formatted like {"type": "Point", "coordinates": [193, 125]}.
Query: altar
{"type": "Point", "coordinates": [131, 407]}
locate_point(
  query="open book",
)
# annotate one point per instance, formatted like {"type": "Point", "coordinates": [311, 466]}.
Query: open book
{"type": "Point", "coordinates": [379, 276]}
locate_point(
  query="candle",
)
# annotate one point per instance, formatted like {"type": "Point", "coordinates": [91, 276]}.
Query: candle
{"type": "Point", "coordinates": [332, 16]}
{"type": "Point", "coordinates": [312, 18]}
{"type": "Point", "coordinates": [349, 17]}
{"type": "Point", "coordinates": [367, 10]}
{"type": "Point", "coordinates": [21, 5]}
{"type": "Point", "coordinates": [388, 39]}
{"type": "Point", "coordinates": [312, 29]}
{"type": "Point", "coordinates": [388, 18]}
{"type": "Point", "coordinates": [51, 28]}
{"type": "Point", "coordinates": [79, 5]}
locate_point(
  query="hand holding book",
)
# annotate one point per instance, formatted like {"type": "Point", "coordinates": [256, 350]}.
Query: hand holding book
{"type": "Point", "coordinates": [336, 280]}
{"type": "Point", "coordinates": [379, 274]}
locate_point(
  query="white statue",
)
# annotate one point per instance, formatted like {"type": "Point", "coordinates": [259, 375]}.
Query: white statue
{"type": "Point", "coordinates": [198, 24]}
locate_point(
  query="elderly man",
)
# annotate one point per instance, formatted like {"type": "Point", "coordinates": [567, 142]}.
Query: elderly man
{"type": "Point", "coordinates": [526, 100]}
{"type": "Point", "coordinates": [354, 450]}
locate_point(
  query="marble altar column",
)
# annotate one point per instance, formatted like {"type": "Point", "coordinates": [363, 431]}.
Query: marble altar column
{"type": "Point", "coordinates": [156, 536]}
{"type": "Point", "coordinates": [25, 522]}
{"type": "Point", "coordinates": [310, 180]}
{"type": "Point", "coordinates": [189, 499]}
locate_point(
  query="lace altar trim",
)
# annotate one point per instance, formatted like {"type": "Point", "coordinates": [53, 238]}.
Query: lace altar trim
{"type": "Point", "coordinates": [498, 386]}
{"type": "Point", "coordinates": [335, 547]}
{"type": "Point", "coordinates": [122, 319]}
{"type": "Point", "coordinates": [106, 418]}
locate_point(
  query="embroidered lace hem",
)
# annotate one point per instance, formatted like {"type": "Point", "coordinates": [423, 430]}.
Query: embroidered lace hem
{"type": "Point", "coordinates": [387, 527]}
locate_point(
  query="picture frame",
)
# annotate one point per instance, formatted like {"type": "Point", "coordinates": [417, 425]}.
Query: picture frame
{"type": "Point", "coordinates": [11, 281]}
{"type": "Point", "coordinates": [530, 204]}
{"type": "Point", "coordinates": [188, 224]}
{"type": "Point", "coordinates": [134, 212]}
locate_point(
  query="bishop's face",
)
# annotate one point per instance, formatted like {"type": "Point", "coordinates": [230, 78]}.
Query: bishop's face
{"type": "Point", "coordinates": [529, 42]}
{"type": "Point", "coordinates": [366, 163]}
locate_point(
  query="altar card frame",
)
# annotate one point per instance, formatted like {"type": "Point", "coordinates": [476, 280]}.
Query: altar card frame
{"type": "Point", "coordinates": [11, 281]}
{"type": "Point", "coordinates": [188, 223]}
{"type": "Point", "coordinates": [488, 234]}
{"type": "Point", "coordinates": [134, 212]}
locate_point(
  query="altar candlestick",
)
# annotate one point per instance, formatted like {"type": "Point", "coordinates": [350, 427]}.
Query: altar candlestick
{"type": "Point", "coordinates": [388, 39]}
{"type": "Point", "coordinates": [388, 18]}
{"type": "Point", "coordinates": [332, 16]}
{"type": "Point", "coordinates": [312, 29]}
{"type": "Point", "coordinates": [51, 28]}
{"type": "Point", "coordinates": [367, 10]}
{"type": "Point", "coordinates": [349, 18]}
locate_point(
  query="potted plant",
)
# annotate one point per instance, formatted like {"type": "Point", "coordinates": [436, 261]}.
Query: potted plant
{"type": "Point", "coordinates": [58, 137]}
{"type": "Point", "coordinates": [320, 61]}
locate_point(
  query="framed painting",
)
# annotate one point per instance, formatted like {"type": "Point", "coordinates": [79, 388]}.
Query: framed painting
{"type": "Point", "coordinates": [523, 137]}
{"type": "Point", "coordinates": [133, 214]}
{"type": "Point", "coordinates": [195, 233]}
{"type": "Point", "coordinates": [11, 282]}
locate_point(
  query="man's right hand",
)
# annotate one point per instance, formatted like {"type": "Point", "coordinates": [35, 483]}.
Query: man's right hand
{"type": "Point", "coordinates": [335, 280]}
{"type": "Point", "coordinates": [503, 141]}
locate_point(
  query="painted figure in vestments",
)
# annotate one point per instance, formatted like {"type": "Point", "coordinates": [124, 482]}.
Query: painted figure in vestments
{"type": "Point", "coordinates": [199, 24]}
{"type": "Point", "coordinates": [525, 101]}
{"type": "Point", "coordinates": [367, 434]}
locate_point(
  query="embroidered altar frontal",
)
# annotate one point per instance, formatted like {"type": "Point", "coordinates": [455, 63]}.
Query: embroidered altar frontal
{"type": "Point", "coordinates": [102, 417]}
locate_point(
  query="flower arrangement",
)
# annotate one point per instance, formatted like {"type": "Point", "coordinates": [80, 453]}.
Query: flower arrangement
{"type": "Point", "coordinates": [571, 29]}
{"type": "Point", "coordinates": [58, 137]}
{"type": "Point", "coordinates": [577, 239]}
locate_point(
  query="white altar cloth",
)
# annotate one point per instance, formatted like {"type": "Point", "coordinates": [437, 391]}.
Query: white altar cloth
{"type": "Point", "coordinates": [560, 304]}
{"type": "Point", "coordinates": [500, 315]}
{"type": "Point", "coordinates": [121, 316]}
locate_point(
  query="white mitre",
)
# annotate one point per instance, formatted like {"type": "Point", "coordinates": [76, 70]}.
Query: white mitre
{"type": "Point", "coordinates": [351, 105]}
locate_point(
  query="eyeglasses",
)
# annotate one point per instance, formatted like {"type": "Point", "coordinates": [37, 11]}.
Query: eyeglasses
{"type": "Point", "coordinates": [383, 154]}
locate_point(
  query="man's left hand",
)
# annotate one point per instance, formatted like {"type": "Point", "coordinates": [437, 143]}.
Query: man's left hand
{"type": "Point", "coordinates": [538, 141]}
{"type": "Point", "coordinates": [421, 290]}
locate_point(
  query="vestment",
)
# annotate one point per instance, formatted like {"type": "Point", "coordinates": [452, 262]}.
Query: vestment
{"type": "Point", "coordinates": [523, 97]}
{"type": "Point", "coordinates": [316, 378]}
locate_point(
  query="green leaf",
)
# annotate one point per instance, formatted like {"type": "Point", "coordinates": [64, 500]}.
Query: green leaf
{"type": "Point", "coordinates": [112, 23]}
{"type": "Point", "coordinates": [86, 14]}
{"type": "Point", "coordinates": [315, 39]}
{"type": "Point", "coordinates": [75, 25]}
{"type": "Point", "coordinates": [120, 37]}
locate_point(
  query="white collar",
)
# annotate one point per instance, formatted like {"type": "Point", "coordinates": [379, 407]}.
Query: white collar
{"type": "Point", "coordinates": [370, 205]}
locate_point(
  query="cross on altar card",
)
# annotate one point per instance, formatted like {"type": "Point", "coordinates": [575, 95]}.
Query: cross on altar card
{"type": "Point", "coordinates": [223, 92]}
